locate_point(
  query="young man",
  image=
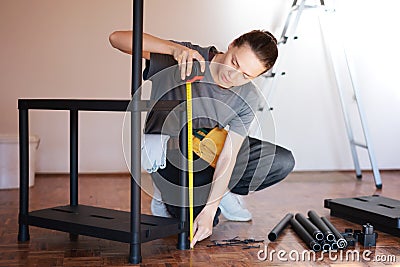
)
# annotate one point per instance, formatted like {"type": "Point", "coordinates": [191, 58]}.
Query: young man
{"type": "Point", "coordinates": [225, 98]}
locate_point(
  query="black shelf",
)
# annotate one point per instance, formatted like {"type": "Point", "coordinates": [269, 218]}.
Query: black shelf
{"type": "Point", "coordinates": [128, 227]}
{"type": "Point", "coordinates": [102, 223]}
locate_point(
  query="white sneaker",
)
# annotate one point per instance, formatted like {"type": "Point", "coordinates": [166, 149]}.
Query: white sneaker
{"type": "Point", "coordinates": [158, 207]}
{"type": "Point", "coordinates": [232, 207]}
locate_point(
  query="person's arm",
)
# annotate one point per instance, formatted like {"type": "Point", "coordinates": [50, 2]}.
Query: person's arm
{"type": "Point", "coordinates": [122, 40]}
{"type": "Point", "coordinates": [203, 224]}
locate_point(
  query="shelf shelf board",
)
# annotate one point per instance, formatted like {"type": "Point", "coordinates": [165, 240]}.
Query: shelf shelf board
{"type": "Point", "coordinates": [102, 223]}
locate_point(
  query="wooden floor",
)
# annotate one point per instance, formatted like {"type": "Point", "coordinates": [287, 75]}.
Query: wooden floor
{"type": "Point", "coordinates": [300, 192]}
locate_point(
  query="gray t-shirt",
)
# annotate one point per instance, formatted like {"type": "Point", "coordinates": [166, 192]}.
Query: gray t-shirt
{"type": "Point", "coordinates": [212, 105]}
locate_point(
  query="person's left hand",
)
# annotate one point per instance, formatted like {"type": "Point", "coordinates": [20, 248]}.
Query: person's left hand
{"type": "Point", "coordinates": [185, 57]}
{"type": "Point", "coordinates": [203, 224]}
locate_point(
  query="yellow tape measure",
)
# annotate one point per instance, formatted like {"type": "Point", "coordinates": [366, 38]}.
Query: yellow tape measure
{"type": "Point", "coordinates": [189, 113]}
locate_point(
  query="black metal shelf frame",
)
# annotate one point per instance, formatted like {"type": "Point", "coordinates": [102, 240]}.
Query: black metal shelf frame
{"type": "Point", "coordinates": [129, 227]}
{"type": "Point", "coordinates": [78, 219]}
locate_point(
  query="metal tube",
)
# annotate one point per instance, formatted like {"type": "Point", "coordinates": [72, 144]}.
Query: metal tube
{"type": "Point", "coordinates": [310, 227]}
{"type": "Point", "coordinates": [137, 39]}
{"type": "Point", "coordinates": [375, 169]}
{"type": "Point", "coordinates": [275, 232]}
{"type": "Point", "coordinates": [341, 242]}
{"type": "Point", "coordinates": [304, 235]}
{"type": "Point", "coordinates": [137, 46]}
{"type": "Point", "coordinates": [334, 246]}
{"type": "Point", "coordinates": [23, 230]}
{"type": "Point", "coordinates": [183, 241]}
{"type": "Point", "coordinates": [73, 157]}
{"type": "Point", "coordinates": [326, 246]}
{"type": "Point", "coordinates": [315, 219]}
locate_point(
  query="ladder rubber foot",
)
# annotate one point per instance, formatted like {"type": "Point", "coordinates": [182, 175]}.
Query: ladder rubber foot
{"type": "Point", "coordinates": [359, 176]}
{"type": "Point", "coordinates": [379, 186]}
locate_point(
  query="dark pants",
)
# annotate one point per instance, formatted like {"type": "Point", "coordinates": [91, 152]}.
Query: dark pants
{"type": "Point", "coordinates": [259, 164]}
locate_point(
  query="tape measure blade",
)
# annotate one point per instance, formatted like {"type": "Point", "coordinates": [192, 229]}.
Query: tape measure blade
{"type": "Point", "coordinates": [190, 156]}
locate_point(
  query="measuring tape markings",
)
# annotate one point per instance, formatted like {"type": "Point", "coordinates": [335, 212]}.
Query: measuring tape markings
{"type": "Point", "coordinates": [189, 113]}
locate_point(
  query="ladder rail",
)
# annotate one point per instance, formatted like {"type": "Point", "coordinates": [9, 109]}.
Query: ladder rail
{"type": "Point", "coordinates": [354, 88]}
{"type": "Point", "coordinates": [287, 41]}
{"type": "Point", "coordinates": [361, 114]}
{"type": "Point", "coordinates": [347, 123]}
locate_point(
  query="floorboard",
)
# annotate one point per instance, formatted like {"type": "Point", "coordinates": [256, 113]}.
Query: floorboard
{"type": "Point", "coordinates": [300, 192]}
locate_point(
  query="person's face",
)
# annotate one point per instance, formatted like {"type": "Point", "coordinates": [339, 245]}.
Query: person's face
{"type": "Point", "coordinates": [238, 66]}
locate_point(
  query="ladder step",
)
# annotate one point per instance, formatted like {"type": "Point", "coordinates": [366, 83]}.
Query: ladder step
{"type": "Point", "coordinates": [360, 144]}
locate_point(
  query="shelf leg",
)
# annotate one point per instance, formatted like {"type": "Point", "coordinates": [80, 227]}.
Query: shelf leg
{"type": "Point", "coordinates": [23, 231]}
{"type": "Point", "coordinates": [73, 166]}
{"type": "Point", "coordinates": [137, 39]}
{"type": "Point", "coordinates": [183, 237]}
{"type": "Point", "coordinates": [135, 245]}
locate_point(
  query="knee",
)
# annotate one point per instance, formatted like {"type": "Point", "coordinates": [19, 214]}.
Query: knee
{"type": "Point", "coordinates": [284, 161]}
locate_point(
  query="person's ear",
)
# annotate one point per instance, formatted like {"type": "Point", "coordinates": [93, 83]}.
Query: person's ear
{"type": "Point", "coordinates": [231, 45]}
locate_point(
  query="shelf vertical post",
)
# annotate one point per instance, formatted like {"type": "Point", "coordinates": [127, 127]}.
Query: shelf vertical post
{"type": "Point", "coordinates": [183, 241]}
{"type": "Point", "coordinates": [23, 230]}
{"type": "Point", "coordinates": [73, 167]}
{"type": "Point", "coordinates": [73, 163]}
{"type": "Point", "coordinates": [137, 39]}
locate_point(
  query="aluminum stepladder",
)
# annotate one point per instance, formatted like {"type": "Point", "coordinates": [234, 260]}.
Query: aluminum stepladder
{"type": "Point", "coordinates": [285, 41]}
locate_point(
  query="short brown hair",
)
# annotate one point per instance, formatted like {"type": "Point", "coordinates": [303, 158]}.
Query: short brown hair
{"type": "Point", "coordinates": [262, 43]}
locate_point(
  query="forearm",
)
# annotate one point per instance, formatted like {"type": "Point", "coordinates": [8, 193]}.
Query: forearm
{"type": "Point", "coordinates": [224, 169]}
{"type": "Point", "coordinates": [203, 223]}
{"type": "Point", "coordinates": [222, 174]}
{"type": "Point", "coordinates": [122, 40]}
{"type": "Point", "coordinates": [154, 44]}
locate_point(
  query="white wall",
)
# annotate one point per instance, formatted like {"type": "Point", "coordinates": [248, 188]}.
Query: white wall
{"type": "Point", "coordinates": [307, 107]}
{"type": "Point", "coordinates": [59, 49]}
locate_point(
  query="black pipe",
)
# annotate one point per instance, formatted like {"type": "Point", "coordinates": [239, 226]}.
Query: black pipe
{"type": "Point", "coordinates": [310, 227]}
{"type": "Point", "coordinates": [341, 242]}
{"type": "Point", "coordinates": [275, 232]}
{"type": "Point", "coordinates": [73, 158]}
{"type": "Point", "coordinates": [137, 44]}
{"type": "Point", "coordinates": [315, 219]}
{"type": "Point", "coordinates": [304, 235]}
{"type": "Point", "coordinates": [23, 229]}
{"type": "Point", "coordinates": [334, 246]}
{"type": "Point", "coordinates": [326, 246]}
{"type": "Point", "coordinates": [183, 241]}
{"type": "Point", "coordinates": [73, 163]}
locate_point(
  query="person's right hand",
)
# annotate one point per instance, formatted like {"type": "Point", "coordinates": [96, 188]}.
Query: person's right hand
{"type": "Point", "coordinates": [203, 224]}
{"type": "Point", "coordinates": [185, 57]}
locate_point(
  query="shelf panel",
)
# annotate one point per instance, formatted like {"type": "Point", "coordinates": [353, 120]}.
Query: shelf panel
{"type": "Point", "coordinates": [383, 213]}
{"type": "Point", "coordinates": [99, 105]}
{"type": "Point", "coordinates": [102, 223]}
{"type": "Point", "coordinates": [74, 104]}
